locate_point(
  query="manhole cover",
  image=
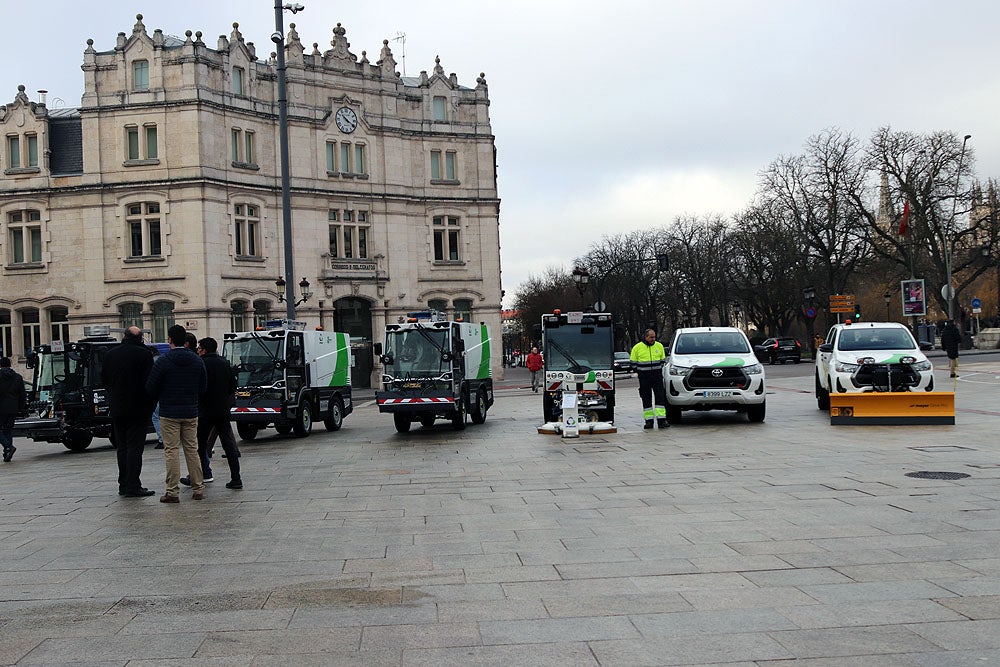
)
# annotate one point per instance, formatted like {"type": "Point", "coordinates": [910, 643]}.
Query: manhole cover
{"type": "Point", "coordinates": [929, 474]}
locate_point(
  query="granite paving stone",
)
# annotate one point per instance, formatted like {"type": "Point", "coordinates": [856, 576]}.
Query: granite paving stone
{"type": "Point", "coordinates": [716, 543]}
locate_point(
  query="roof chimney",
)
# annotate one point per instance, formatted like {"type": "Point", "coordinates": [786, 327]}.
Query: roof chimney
{"type": "Point", "coordinates": [41, 96]}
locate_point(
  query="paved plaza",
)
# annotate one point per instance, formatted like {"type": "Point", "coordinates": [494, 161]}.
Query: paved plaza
{"type": "Point", "coordinates": [714, 542]}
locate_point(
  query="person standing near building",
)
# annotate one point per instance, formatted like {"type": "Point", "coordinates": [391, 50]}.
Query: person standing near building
{"type": "Point", "coordinates": [648, 357]}
{"type": "Point", "coordinates": [13, 402]}
{"type": "Point", "coordinates": [177, 381]}
{"type": "Point", "coordinates": [213, 413]}
{"type": "Point", "coordinates": [124, 372]}
{"type": "Point", "coordinates": [534, 362]}
{"type": "Point", "coordinates": [951, 337]}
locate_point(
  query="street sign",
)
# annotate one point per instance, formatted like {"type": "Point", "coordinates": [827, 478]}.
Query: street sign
{"type": "Point", "coordinates": [600, 307]}
{"type": "Point", "coordinates": [810, 313]}
{"type": "Point", "coordinates": [947, 292]}
{"type": "Point", "coordinates": [842, 303]}
{"type": "Point", "coordinates": [977, 305]}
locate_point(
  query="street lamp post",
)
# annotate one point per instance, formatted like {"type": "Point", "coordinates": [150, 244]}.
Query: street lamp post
{"type": "Point", "coordinates": [888, 297]}
{"type": "Point", "coordinates": [581, 277]}
{"type": "Point", "coordinates": [808, 296]}
{"type": "Point", "coordinates": [286, 200]}
{"type": "Point", "coordinates": [949, 291]}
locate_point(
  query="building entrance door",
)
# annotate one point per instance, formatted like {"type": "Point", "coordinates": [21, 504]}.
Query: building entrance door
{"type": "Point", "coordinates": [353, 316]}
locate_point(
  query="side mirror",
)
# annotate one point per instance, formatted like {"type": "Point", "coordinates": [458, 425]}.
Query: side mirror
{"type": "Point", "coordinates": [925, 346]}
{"type": "Point", "coordinates": [377, 349]}
{"type": "Point", "coordinates": [537, 330]}
{"type": "Point", "coordinates": [826, 347]}
{"type": "Point", "coordinates": [32, 359]}
{"type": "Point", "coordinates": [386, 359]}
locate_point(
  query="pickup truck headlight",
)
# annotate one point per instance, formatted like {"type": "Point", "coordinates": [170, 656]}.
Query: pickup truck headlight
{"type": "Point", "coordinates": [753, 369]}
{"type": "Point", "coordinates": [921, 366]}
{"type": "Point", "coordinates": [682, 371]}
{"type": "Point", "coordinates": [842, 367]}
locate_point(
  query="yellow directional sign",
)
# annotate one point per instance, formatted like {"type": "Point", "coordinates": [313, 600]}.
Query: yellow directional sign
{"type": "Point", "coordinates": [841, 303]}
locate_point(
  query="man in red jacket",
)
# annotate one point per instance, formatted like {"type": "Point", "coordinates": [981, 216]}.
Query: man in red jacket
{"type": "Point", "coordinates": [534, 364]}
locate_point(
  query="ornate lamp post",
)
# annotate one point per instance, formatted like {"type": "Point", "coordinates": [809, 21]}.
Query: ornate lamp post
{"type": "Point", "coordinates": [888, 298]}
{"type": "Point", "coordinates": [284, 291]}
{"type": "Point", "coordinates": [581, 277]}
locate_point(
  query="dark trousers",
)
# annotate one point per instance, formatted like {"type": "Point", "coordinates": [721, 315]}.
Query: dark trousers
{"type": "Point", "coordinates": [650, 386]}
{"type": "Point", "coordinates": [208, 428]}
{"type": "Point", "coordinates": [130, 439]}
{"type": "Point", "coordinates": [7, 430]}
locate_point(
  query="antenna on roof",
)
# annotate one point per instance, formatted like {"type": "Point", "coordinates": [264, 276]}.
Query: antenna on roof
{"type": "Point", "coordinates": [401, 38]}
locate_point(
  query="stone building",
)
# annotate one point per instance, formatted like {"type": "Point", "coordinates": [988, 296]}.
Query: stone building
{"type": "Point", "coordinates": [158, 200]}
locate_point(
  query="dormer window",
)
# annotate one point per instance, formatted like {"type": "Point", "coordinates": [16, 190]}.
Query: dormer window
{"type": "Point", "coordinates": [22, 152]}
{"type": "Point", "coordinates": [238, 81]}
{"type": "Point", "coordinates": [440, 110]}
{"type": "Point", "coordinates": [140, 75]}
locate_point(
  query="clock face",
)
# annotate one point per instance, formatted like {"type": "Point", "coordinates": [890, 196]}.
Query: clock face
{"type": "Point", "coordinates": [347, 120]}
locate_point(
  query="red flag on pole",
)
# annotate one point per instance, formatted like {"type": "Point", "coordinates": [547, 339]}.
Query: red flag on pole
{"type": "Point", "coordinates": [904, 222]}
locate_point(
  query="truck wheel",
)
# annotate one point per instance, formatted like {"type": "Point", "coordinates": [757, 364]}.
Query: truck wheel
{"type": "Point", "coordinates": [335, 419]}
{"type": "Point", "coordinates": [822, 396]}
{"type": "Point", "coordinates": [303, 424]}
{"type": "Point", "coordinates": [284, 428]}
{"type": "Point", "coordinates": [458, 417]}
{"type": "Point", "coordinates": [755, 413]}
{"type": "Point", "coordinates": [77, 442]}
{"type": "Point", "coordinates": [247, 431]}
{"type": "Point", "coordinates": [401, 421]}
{"type": "Point", "coordinates": [479, 409]}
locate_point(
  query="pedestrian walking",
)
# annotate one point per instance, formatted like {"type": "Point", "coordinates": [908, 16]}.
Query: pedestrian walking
{"type": "Point", "coordinates": [213, 414]}
{"type": "Point", "coordinates": [177, 381]}
{"type": "Point", "coordinates": [534, 362]}
{"type": "Point", "coordinates": [648, 357]}
{"type": "Point", "coordinates": [13, 402]}
{"type": "Point", "coordinates": [124, 373]}
{"type": "Point", "coordinates": [951, 337]}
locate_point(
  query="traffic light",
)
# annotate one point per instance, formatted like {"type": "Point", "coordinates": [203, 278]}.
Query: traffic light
{"type": "Point", "coordinates": [857, 312]}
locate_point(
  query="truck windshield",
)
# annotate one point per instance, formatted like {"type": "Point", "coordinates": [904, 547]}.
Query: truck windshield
{"type": "Point", "coordinates": [875, 339]}
{"type": "Point", "coordinates": [576, 349]}
{"type": "Point", "coordinates": [417, 353]}
{"type": "Point", "coordinates": [253, 359]}
{"type": "Point", "coordinates": [711, 342]}
{"type": "Point", "coordinates": [51, 372]}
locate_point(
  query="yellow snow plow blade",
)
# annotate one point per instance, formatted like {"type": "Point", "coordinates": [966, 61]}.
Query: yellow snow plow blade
{"type": "Point", "coordinates": [895, 407]}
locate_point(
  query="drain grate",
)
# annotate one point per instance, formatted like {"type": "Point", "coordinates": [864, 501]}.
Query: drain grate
{"type": "Point", "coordinates": [930, 474]}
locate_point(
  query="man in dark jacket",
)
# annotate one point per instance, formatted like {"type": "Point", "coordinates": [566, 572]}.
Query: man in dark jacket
{"type": "Point", "coordinates": [213, 413]}
{"type": "Point", "coordinates": [13, 401]}
{"type": "Point", "coordinates": [951, 337]}
{"type": "Point", "coordinates": [177, 381]}
{"type": "Point", "coordinates": [123, 374]}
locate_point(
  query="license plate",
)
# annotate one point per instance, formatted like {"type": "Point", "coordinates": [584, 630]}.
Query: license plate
{"type": "Point", "coordinates": [717, 394]}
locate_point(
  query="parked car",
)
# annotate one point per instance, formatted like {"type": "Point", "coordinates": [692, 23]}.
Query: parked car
{"type": "Point", "coordinates": [623, 363]}
{"type": "Point", "coordinates": [713, 368]}
{"type": "Point", "coordinates": [864, 356]}
{"type": "Point", "coordinates": [779, 350]}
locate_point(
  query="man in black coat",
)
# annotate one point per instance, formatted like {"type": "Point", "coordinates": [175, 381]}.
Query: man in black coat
{"type": "Point", "coordinates": [13, 401]}
{"type": "Point", "coordinates": [124, 373]}
{"type": "Point", "coordinates": [951, 337]}
{"type": "Point", "coordinates": [213, 413]}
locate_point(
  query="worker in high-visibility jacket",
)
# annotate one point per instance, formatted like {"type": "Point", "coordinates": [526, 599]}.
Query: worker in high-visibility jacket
{"type": "Point", "coordinates": [648, 357]}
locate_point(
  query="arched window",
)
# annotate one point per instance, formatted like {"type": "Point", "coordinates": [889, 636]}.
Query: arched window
{"type": "Point", "coordinates": [59, 321]}
{"type": "Point", "coordinates": [238, 316]}
{"type": "Point", "coordinates": [31, 329]}
{"type": "Point", "coordinates": [438, 304]}
{"type": "Point", "coordinates": [163, 319]}
{"type": "Point", "coordinates": [463, 309]}
{"type": "Point", "coordinates": [130, 314]}
{"type": "Point", "coordinates": [6, 334]}
{"type": "Point", "coordinates": [261, 312]}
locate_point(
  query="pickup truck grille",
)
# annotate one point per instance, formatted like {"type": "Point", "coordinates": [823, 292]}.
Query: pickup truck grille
{"type": "Point", "coordinates": [714, 377]}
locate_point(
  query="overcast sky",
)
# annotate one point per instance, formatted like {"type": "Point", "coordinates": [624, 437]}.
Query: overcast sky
{"type": "Point", "coordinates": [611, 116]}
